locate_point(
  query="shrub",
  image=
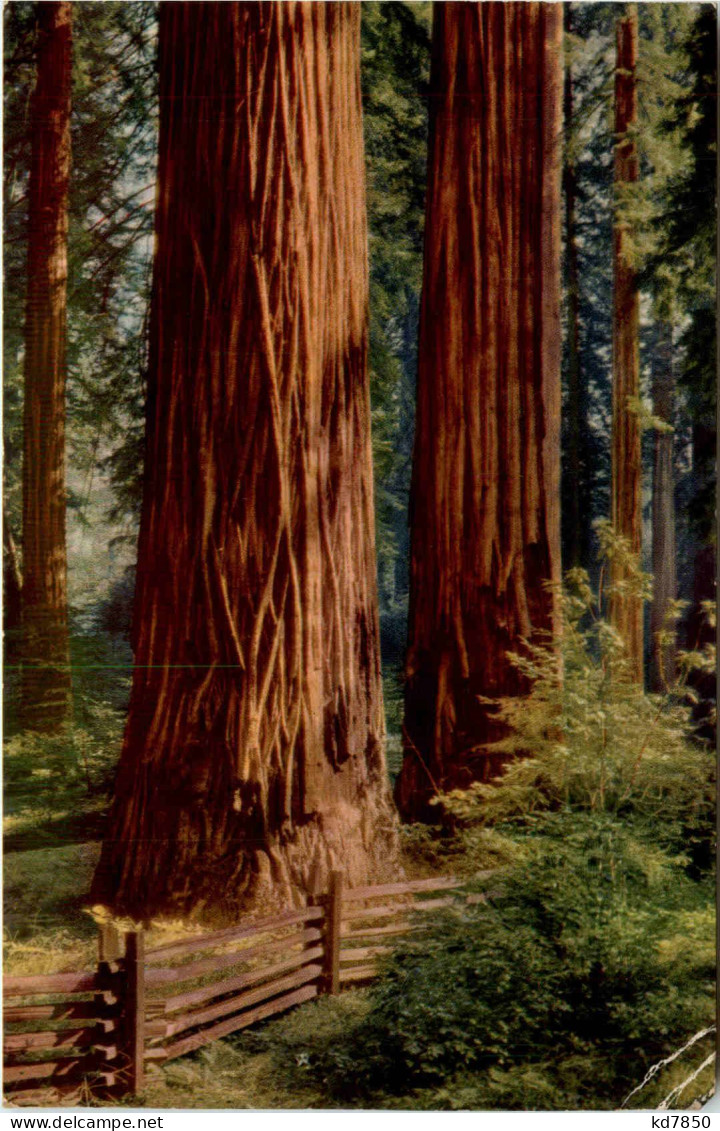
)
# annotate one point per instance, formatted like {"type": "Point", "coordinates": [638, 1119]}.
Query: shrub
{"type": "Point", "coordinates": [569, 966]}
{"type": "Point", "coordinates": [593, 741]}
{"type": "Point", "coordinates": [577, 973]}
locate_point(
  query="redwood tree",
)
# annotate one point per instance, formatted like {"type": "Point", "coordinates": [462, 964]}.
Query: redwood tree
{"type": "Point", "coordinates": [626, 610]}
{"type": "Point", "coordinates": [45, 687]}
{"type": "Point", "coordinates": [663, 513]}
{"type": "Point", "coordinates": [253, 760]}
{"type": "Point", "coordinates": [574, 519]}
{"type": "Point", "coordinates": [578, 472]}
{"type": "Point", "coordinates": [485, 490]}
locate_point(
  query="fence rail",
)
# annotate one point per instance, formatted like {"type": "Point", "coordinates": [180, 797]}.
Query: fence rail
{"type": "Point", "coordinates": [140, 1008]}
{"type": "Point", "coordinates": [43, 1044]}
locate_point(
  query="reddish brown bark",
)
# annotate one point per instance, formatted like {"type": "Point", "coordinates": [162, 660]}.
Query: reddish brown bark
{"type": "Point", "coordinates": [663, 515]}
{"type": "Point", "coordinates": [45, 684]}
{"type": "Point", "coordinates": [485, 492]}
{"type": "Point", "coordinates": [626, 611]}
{"type": "Point", "coordinates": [253, 761]}
{"type": "Point", "coordinates": [575, 502]}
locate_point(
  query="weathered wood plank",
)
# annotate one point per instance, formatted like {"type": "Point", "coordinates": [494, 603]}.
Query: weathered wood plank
{"type": "Point", "coordinates": [433, 904]}
{"type": "Point", "coordinates": [161, 975]}
{"type": "Point", "coordinates": [402, 928]}
{"type": "Point", "coordinates": [18, 985]}
{"type": "Point", "coordinates": [358, 974]}
{"type": "Point", "coordinates": [435, 883]}
{"type": "Point", "coordinates": [383, 912]}
{"type": "Point", "coordinates": [62, 1011]}
{"type": "Point", "coordinates": [236, 1004]}
{"type": "Point", "coordinates": [250, 978]}
{"type": "Point", "coordinates": [52, 1071]}
{"type": "Point", "coordinates": [228, 934]}
{"type": "Point", "coordinates": [62, 1038]}
{"type": "Point", "coordinates": [197, 1040]}
{"type": "Point", "coordinates": [359, 953]}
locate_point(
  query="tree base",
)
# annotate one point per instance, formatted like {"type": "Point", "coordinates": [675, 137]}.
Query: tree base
{"type": "Point", "coordinates": [245, 881]}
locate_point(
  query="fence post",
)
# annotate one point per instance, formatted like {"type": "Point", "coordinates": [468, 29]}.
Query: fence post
{"type": "Point", "coordinates": [108, 943]}
{"type": "Point", "coordinates": [333, 916]}
{"type": "Point", "coordinates": [134, 1008]}
{"type": "Point", "coordinates": [109, 1003]}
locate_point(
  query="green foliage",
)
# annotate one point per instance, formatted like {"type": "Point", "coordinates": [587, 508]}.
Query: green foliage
{"type": "Point", "coordinates": [44, 926]}
{"type": "Point", "coordinates": [592, 954]}
{"type": "Point", "coordinates": [687, 251]}
{"type": "Point", "coordinates": [56, 786]}
{"type": "Point", "coordinates": [395, 69]}
{"type": "Point", "coordinates": [588, 162]}
{"type": "Point", "coordinates": [113, 131]}
{"type": "Point", "coordinates": [596, 742]}
{"type": "Point", "coordinates": [558, 991]}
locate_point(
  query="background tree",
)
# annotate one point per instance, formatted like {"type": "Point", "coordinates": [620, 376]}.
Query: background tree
{"type": "Point", "coordinates": [626, 511]}
{"type": "Point", "coordinates": [575, 501]}
{"type": "Point", "coordinates": [687, 255]}
{"type": "Point", "coordinates": [253, 758]}
{"type": "Point", "coordinates": [588, 193]}
{"type": "Point", "coordinates": [45, 685]}
{"type": "Point", "coordinates": [113, 136]}
{"type": "Point", "coordinates": [485, 492]}
{"type": "Point", "coordinates": [395, 67]}
{"type": "Point", "coordinates": [664, 568]}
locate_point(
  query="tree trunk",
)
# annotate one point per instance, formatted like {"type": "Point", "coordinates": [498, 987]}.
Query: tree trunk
{"type": "Point", "coordinates": [486, 473]}
{"type": "Point", "coordinates": [626, 611]}
{"type": "Point", "coordinates": [253, 762]}
{"type": "Point", "coordinates": [45, 683]}
{"type": "Point", "coordinates": [576, 514]}
{"type": "Point", "coordinates": [663, 514]}
{"type": "Point", "coordinates": [12, 587]}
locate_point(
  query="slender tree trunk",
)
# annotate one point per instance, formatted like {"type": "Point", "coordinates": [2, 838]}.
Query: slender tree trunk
{"type": "Point", "coordinates": [253, 761]}
{"type": "Point", "coordinates": [45, 684]}
{"type": "Point", "coordinates": [663, 513]}
{"type": "Point", "coordinates": [626, 611]}
{"type": "Point", "coordinates": [574, 517]}
{"type": "Point", "coordinates": [486, 473]}
{"type": "Point", "coordinates": [577, 471]}
{"type": "Point", "coordinates": [12, 585]}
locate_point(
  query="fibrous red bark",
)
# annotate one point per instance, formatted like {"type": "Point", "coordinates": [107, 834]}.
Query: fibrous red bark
{"type": "Point", "coordinates": [253, 761]}
{"type": "Point", "coordinates": [485, 490]}
{"type": "Point", "coordinates": [45, 683]}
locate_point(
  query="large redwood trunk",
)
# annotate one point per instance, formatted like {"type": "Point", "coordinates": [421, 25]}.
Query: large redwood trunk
{"type": "Point", "coordinates": [485, 491]}
{"type": "Point", "coordinates": [626, 611]}
{"type": "Point", "coordinates": [663, 515]}
{"type": "Point", "coordinates": [45, 683]}
{"type": "Point", "coordinates": [253, 760]}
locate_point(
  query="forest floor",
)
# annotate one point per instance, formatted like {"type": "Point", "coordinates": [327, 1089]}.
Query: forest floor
{"type": "Point", "coordinates": [53, 824]}
{"type": "Point", "coordinates": [48, 930]}
{"type": "Point", "coordinates": [52, 838]}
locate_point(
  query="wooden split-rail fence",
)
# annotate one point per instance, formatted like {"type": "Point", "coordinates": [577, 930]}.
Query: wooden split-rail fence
{"type": "Point", "coordinates": [98, 1032]}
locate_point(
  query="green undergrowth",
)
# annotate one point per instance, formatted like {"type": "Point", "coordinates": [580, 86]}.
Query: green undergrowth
{"type": "Point", "coordinates": [45, 927]}
{"type": "Point", "coordinates": [588, 962]}
{"type": "Point", "coordinates": [592, 956]}
{"type": "Point", "coordinates": [270, 1066]}
{"type": "Point", "coordinates": [57, 786]}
